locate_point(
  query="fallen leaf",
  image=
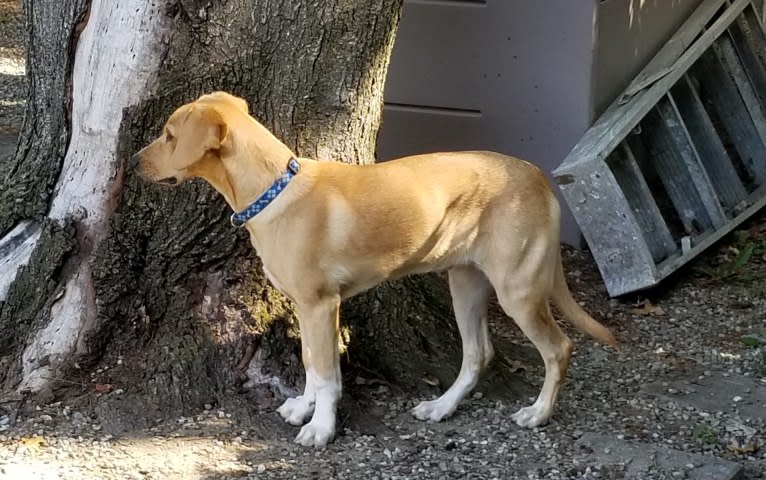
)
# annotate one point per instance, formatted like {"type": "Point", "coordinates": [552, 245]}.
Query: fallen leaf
{"type": "Point", "coordinates": [746, 448]}
{"type": "Point", "coordinates": [646, 308]}
{"type": "Point", "coordinates": [103, 387]}
{"type": "Point", "coordinates": [33, 443]}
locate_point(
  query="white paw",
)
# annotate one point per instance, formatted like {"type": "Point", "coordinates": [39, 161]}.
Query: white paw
{"type": "Point", "coordinates": [530, 417]}
{"type": "Point", "coordinates": [433, 410]}
{"type": "Point", "coordinates": [296, 410]}
{"type": "Point", "coordinates": [315, 434]}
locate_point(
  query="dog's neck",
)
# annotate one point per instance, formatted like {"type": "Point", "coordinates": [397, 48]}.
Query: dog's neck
{"type": "Point", "coordinates": [261, 160]}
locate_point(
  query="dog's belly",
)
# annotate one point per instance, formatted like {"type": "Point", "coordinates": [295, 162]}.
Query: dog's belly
{"type": "Point", "coordinates": [442, 254]}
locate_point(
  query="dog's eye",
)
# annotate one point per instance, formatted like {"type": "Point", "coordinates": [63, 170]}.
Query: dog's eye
{"type": "Point", "coordinates": [168, 137]}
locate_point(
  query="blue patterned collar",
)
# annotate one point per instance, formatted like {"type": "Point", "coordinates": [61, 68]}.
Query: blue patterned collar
{"type": "Point", "coordinates": [240, 218]}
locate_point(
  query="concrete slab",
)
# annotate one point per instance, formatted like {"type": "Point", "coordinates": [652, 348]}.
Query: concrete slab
{"type": "Point", "coordinates": [716, 393]}
{"type": "Point", "coordinates": [636, 460]}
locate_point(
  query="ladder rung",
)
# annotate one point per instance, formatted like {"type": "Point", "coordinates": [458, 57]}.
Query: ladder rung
{"type": "Point", "coordinates": [708, 144]}
{"type": "Point", "coordinates": [745, 41]}
{"type": "Point", "coordinates": [639, 196]}
{"type": "Point", "coordinates": [728, 56]}
{"type": "Point", "coordinates": [721, 90]}
{"type": "Point", "coordinates": [671, 168]}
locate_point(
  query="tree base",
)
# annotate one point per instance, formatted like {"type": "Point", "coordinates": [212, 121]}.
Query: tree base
{"type": "Point", "coordinates": [401, 335]}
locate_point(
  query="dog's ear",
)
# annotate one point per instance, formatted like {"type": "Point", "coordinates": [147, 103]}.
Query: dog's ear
{"type": "Point", "coordinates": [225, 97]}
{"type": "Point", "coordinates": [219, 129]}
{"type": "Point", "coordinates": [241, 104]}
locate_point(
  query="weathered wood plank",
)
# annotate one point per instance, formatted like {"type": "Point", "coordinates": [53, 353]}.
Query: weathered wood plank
{"type": "Point", "coordinates": [598, 196]}
{"type": "Point", "coordinates": [757, 15]}
{"type": "Point", "coordinates": [610, 228]}
{"type": "Point", "coordinates": [712, 153]}
{"type": "Point", "coordinates": [662, 63]}
{"type": "Point", "coordinates": [756, 200]}
{"type": "Point", "coordinates": [720, 89]}
{"type": "Point", "coordinates": [617, 122]}
{"type": "Point", "coordinates": [633, 184]}
{"type": "Point", "coordinates": [747, 48]}
{"type": "Point", "coordinates": [700, 180]}
{"type": "Point", "coordinates": [669, 163]}
{"type": "Point", "coordinates": [728, 56]}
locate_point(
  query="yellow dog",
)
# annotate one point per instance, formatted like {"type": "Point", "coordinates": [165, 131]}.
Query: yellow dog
{"type": "Point", "coordinates": [326, 231]}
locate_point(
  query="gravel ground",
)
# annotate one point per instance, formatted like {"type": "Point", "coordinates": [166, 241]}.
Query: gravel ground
{"type": "Point", "coordinates": [681, 343]}
{"type": "Point", "coordinates": [685, 337]}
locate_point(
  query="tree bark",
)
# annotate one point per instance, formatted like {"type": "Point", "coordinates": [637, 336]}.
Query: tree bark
{"type": "Point", "coordinates": [154, 284]}
{"type": "Point", "coordinates": [26, 181]}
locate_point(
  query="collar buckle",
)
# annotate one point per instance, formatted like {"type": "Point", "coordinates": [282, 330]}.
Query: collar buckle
{"type": "Point", "coordinates": [234, 221]}
{"type": "Point", "coordinates": [293, 166]}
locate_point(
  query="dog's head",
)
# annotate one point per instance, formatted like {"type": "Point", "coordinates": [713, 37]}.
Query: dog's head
{"type": "Point", "coordinates": [193, 140]}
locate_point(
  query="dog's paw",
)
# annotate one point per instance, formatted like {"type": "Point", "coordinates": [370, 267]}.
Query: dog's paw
{"type": "Point", "coordinates": [530, 417]}
{"type": "Point", "coordinates": [315, 434]}
{"type": "Point", "coordinates": [296, 410]}
{"type": "Point", "coordinates": [433, 410]}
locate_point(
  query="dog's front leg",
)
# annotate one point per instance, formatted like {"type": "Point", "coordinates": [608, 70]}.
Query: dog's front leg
{"type": "Point", "coordinates": [319, 338]}
{"type": "Point", "coordinates": [297, 410]}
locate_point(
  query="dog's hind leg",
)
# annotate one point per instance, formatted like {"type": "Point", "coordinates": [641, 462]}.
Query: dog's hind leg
{"type": "Point", "coordinates": [537, 323]}
{"type": "Point", "coordinates": [319, 338]}
{"type": "Point", "coordinates": [470, 293]}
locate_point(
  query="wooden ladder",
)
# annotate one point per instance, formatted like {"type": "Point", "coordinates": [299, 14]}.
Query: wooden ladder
{"type": "Point", "coordinates": [679, 160]}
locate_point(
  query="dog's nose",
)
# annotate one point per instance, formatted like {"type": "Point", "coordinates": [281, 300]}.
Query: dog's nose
{"type": "Point", "coordinates": [134, 160]}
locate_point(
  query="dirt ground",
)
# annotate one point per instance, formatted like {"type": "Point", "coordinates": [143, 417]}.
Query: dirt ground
{"type": "Point", "coordinates": [683, 397]}
{"type": "Point", "coordinates": [685, 381]}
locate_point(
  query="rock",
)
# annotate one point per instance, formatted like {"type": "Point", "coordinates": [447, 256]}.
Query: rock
{"type": "Point", "coordinates": [638, 459]}
{"type": "Point", "coordinates": [718, 393]}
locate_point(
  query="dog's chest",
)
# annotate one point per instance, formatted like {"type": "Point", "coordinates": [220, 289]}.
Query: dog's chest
{"type": "Point", "coordinates": [259, 250]}
{"type": "Point", "coordinates": [274, 281]}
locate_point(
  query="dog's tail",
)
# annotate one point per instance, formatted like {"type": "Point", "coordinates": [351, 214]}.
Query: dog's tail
{"type": "Point", "coordinates": [564, 301]}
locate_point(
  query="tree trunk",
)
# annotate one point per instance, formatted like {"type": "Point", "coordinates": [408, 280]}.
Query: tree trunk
{"type": "Point", "coordinates": [153, 285]}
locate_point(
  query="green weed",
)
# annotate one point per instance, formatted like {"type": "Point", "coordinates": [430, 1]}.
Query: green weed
{"type": "Point", "coordinates": [745, 247]}
{"type": "Point", "coordinates": [757, 342]}
{"type": "Point", "coordinates": [703, 434]}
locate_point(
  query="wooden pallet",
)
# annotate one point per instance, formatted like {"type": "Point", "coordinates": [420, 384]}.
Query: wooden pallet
{"type": "Point", "coordinates": [679, 160]}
